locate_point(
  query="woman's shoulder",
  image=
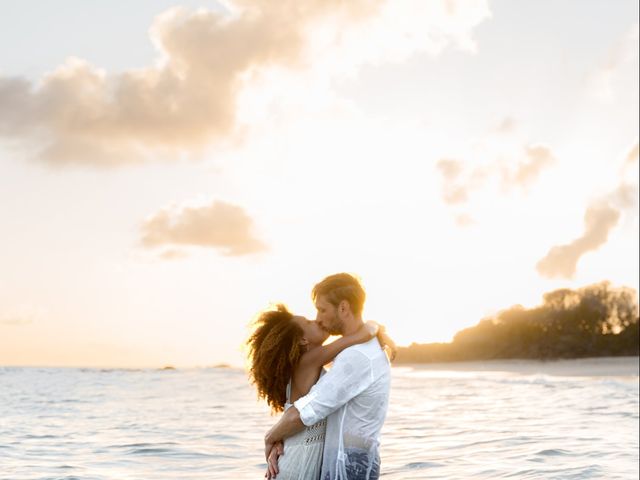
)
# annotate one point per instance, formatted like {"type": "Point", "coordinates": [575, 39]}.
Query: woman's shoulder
{"type": "Point", "coordinates": [303, 378]}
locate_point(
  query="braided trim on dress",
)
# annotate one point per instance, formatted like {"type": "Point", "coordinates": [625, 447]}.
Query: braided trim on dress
{"type": "Point", "coordinates": [315, 433]}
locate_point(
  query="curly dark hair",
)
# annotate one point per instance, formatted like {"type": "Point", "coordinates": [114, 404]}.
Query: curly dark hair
{"type": "Point", "coordinates": [274, 352]}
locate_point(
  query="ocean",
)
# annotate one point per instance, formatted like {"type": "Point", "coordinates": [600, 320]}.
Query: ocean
{"type": "Point", "coordinates": [571, 419]}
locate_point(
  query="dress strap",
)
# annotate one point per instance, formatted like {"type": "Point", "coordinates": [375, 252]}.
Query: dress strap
{"type": "Point", "coordinates": [289, 391]}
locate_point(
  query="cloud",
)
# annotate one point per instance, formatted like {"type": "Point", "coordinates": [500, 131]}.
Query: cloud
{"type": "Point", "coordinates": [507, 125]}
{"type": "Point", "coordinates": [453, 192]}
{"type": "Point", "coordinates": [538, 157]}
{"type": "Point", "coordinates": [632, 155]}
{"type": "Point", "coordinates": [218, 225]}
{"type": "Point", "coordinates": [460, 180]}
{"type": "Point", "coordinates": [464, 220]}
{"type": "Point", "coordinates": [621, 60]}
{"type": "Point", "coordinates": [16, 321]}
{"type": "Point", "coordinates": [561, 261]}
{"type": "Point", "coordinates": [173, 254]}
{"type": "Point", "coordinates": [80, 115]}
{"type": "Point", "coordinates": [450, 168]}
{"type": "Point", "coordinates": [600, 218]}
{"type": "Point", "coordinates": [625, 197]}
{"type": "Point", "coordinates": [21, 315]}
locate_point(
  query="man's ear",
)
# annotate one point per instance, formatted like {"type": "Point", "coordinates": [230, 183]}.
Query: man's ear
{"type": "Point", "coordinates": [343, 307]}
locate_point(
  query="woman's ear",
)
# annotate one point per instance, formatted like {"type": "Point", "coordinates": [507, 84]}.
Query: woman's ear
{"type": "Point", "coordinates": [303, 342]}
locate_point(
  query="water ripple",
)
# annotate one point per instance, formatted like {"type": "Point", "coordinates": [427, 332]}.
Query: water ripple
{"type": "Point", "coordinates": [524, 423]}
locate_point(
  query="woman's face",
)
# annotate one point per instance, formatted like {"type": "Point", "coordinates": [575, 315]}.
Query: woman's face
{"type": "Point", "coordinates": [311, 330]}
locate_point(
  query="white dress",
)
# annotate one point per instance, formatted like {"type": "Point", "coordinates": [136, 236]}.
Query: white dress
{"type": "Point", "coordinates": [302, 459]}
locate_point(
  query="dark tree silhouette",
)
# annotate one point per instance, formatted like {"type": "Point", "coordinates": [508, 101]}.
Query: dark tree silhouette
{"type": "Point", "coordinates": [594, 321]}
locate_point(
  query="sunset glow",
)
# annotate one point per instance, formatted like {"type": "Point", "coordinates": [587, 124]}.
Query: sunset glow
{"type": "Point", "coordinates": [158, 189]}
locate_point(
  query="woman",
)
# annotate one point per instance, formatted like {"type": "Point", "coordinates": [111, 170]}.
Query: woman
{"type": "Point", "coordinates": [287, 357]}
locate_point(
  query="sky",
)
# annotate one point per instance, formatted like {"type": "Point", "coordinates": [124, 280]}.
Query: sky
{"type": "Point", "coordinates": [167, 170]}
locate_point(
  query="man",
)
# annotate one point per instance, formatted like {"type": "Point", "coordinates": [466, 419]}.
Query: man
{"type": "Point", "coordinates": [353, 396]}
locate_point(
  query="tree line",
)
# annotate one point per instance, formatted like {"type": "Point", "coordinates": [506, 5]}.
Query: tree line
{"type": "Point", "coordinates": [594, 321]}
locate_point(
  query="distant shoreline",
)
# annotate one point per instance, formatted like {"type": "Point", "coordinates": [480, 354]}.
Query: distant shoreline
{"type": "Point", "coordinates": [602, 366]}
{"type": "Point", "coordinates": [596, 366]}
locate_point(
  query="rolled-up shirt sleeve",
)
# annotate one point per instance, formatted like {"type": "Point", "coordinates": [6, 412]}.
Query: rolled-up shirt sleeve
{"type": "Point", "coordinates": [350, 375]}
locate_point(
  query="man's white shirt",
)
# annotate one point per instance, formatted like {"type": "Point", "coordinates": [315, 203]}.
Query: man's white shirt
{"type": "Point", "coordinates": [353, 396]}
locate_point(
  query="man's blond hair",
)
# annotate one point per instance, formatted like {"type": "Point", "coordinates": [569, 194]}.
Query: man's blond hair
{"type": "Point", "coordinates": [341, 286]}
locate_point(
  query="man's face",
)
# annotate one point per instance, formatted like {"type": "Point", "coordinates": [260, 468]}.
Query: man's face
{"type": "Point", "coordinates": [327, 316]}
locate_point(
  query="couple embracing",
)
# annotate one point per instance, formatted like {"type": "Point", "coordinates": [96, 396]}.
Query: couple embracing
{"type": "Point", "coordinates": [332, 419]}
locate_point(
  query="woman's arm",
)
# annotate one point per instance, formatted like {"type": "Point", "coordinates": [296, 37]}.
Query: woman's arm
{"type": "Point", "coordinates": [326, 353]}
{"type": "Point", "coordinates": [386, 341]}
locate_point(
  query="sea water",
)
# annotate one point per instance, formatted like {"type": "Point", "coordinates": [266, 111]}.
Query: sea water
{"type": "Point", "coordinates": [573, 419]}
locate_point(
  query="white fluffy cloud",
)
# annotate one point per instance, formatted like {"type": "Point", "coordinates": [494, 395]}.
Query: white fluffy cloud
{"type": "Point", "coordinates": [79, 114]}
{"type": "Point", "coordinates": [600, 218]}
{"type": "Point", "coordinates": [562, 260]}
{"type": "Point", "coordinates": [218, 225]}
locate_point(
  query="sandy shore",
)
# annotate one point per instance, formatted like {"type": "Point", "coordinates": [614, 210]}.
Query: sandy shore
{"type": "Point", "coordinates": [596, 367]}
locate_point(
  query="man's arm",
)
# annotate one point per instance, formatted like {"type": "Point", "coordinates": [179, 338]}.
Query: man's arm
{"type": "Point", "coordinates": [351, 375]}
{"type": "Point", "coordinates": [288, 425]}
